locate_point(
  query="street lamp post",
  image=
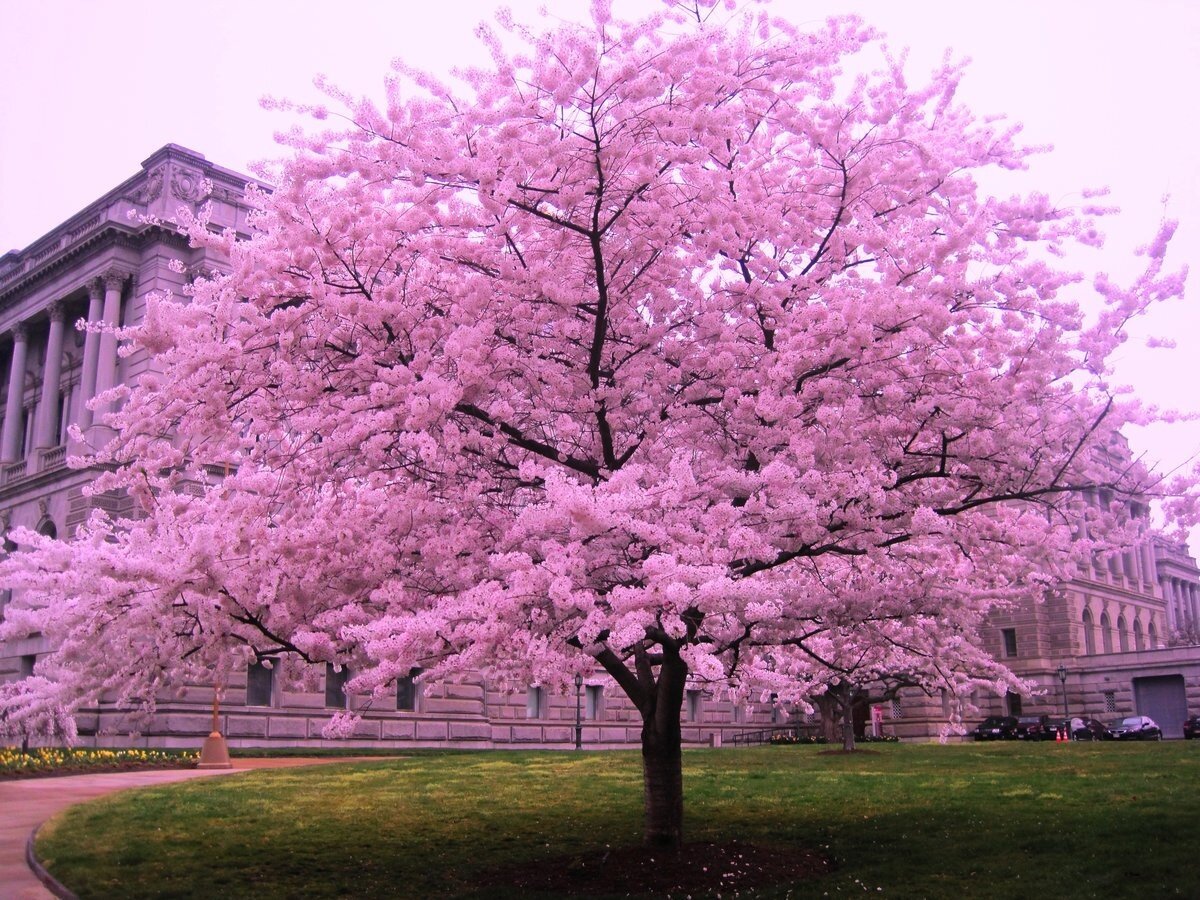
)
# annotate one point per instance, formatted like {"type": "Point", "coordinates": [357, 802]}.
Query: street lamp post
{"type": "Point", "coordinates": [215, 752]}
{"type": "Point", "coordinates": [578, 712]}
{"type": "Point", "coordinates": [1062, 680]}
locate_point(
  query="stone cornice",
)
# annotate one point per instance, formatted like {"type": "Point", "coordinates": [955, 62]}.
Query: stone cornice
{"type": "Point", "coordinates": [170, 177]}
{"type": "Point", "coordinates": [12, 289]}
{"type": "Point", "coordinates": [112, 236]}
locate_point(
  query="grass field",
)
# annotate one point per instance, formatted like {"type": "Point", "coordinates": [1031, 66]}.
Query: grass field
{"type": "Point", "coordinates": [974, 820]}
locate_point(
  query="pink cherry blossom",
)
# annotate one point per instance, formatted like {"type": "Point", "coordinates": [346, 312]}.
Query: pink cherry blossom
{"type": "Point", "coordinates": [660, 347]}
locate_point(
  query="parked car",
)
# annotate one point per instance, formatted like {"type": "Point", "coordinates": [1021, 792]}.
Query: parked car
{"type": "Point", "coordinates": [1135, 728]}
{"type": "Point", "coordinates": [1036, 728]}
{"type": "Point", "coordinates": [1085, 729]}
{"type": "Point", "coordinates": [1191, 727]}
{"type": "Point", "coordinates": [996, 728]}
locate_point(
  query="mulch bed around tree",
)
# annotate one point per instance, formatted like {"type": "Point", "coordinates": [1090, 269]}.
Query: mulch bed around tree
{"type": "Point", "coordinates": [697, 870]}
{"type": "Point", "coordinates": [857, 751]}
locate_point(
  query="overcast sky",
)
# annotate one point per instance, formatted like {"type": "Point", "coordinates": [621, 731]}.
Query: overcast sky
{"type": "Point", "coordinates": [90, 89]}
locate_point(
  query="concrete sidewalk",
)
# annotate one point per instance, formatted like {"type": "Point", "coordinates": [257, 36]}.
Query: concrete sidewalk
{"type": "Point", "coordinates": [26, 803]}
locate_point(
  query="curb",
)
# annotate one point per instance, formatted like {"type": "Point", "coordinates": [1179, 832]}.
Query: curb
{"type": "Point", "coordinates": [52, 884]}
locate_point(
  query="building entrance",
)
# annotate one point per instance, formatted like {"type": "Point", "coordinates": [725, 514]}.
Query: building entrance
{"type": "Point", "coordinates": [1164, 699]}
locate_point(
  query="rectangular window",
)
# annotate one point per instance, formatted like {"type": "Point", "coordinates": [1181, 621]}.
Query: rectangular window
{"type": "Point", "coordinates": [1110, 701]}
{"type": "Point", "coordinates": [56, 420]}
{"type": "Point", "coordinates": [1013, 702]}
{"type": "Point", "coordinates": [27, 420]}
{"type": "Point", "coordinates": [695, 705]}
{"type": "Point", "coordinates": [64, 418]}
{"type": "Point", "coordinates": [594, 705]}
{"type": "Point", "coordinates": [335, 686]}
{"type": "Point", "coordinates": [1010, 641]}
{"type": "Point", "coordinates": [406, 691]}
{"type": "Point", "coordinates": [897, 712]}
{"type": "Point", "coordinates": [535, 702]}
{"type": "Point", "coordinates": [259, 683]}
{"type": "Point", "coordinates": [27, 664]}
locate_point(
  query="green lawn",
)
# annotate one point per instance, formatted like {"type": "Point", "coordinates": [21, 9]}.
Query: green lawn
{"type": "Point", "coordinates": [974, 820]}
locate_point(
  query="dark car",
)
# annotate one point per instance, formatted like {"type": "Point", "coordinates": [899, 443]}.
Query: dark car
{"type": "Point", "coordinates": [996, 728]}
{"type": "Point", "coordinates": [1135, 728]}
{"type": "Point", "coordinates": [1084, 729]}
{"type": "Point", "coordinates": [1036, 728]}
{"type": "Point", "coordinates": [1191, 727]}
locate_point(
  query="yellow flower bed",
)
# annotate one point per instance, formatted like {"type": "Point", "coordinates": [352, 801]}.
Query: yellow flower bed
{"type": "Point", "coordinates": [54, 760]}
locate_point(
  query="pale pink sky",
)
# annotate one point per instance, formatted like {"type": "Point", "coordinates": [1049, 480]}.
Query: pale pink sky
{"type": "Point", "coordinates": [89, 89]}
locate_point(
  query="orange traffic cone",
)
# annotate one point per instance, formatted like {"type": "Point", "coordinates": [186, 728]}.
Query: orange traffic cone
{"type": "Point", "coordinates": [1058, 736]}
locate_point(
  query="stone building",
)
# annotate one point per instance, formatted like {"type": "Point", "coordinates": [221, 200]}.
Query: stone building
{"type": "Point", "coordinates": [1108, 628]}
{"type": "Point", "coordinates": [1116, 640]}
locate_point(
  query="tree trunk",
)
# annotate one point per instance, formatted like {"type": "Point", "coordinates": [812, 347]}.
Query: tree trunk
{"type": "Point", "coordinates": [848, 729]}
{"type": "Point", "coordinates": [662, 755]}
{"type": "Point", "coordinates": [848, 693]}
{"type": "Point", "coordinates": [662, 774]}
{"type": "Point", "coordinates": [660, 702]}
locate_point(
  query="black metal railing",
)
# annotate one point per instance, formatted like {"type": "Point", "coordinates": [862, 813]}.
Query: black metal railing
{"type": "Point", "coordinates": [757, 736]}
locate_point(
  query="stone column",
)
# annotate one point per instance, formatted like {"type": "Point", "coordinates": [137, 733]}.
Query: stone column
{"type": "Point", "coordinates": [106, 362]}
{"type": "Point", "coordinates": [1148, 564]}
{"type": "Point", "coordinates": [48, 412]}
{"type": "Point", "coordinates": [10, 441]}
{"type": "Point", "coordinates": [91, 352]}
{"type": "Point", "coordinates": [1168, 590]}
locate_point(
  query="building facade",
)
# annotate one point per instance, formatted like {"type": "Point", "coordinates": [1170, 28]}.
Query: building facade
{"type": "Point", "coordinates": [1117, 640]}
{"type": "Point", "coordinates": [1109, 629]}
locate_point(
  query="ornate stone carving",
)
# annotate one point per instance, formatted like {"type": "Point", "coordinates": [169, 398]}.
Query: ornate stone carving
{"type": "Point", "coordinates": [189, 186]}
{"type": "Point", "coordinates": [114, 279]}
{"type": "Point", "coordinates": [95, 289]}
{"type": "Point", "coordinates": [150, 189]}
{"type": "Point", "coordinates": [56, 310]}
{"type": "Point", "coordinates": [20, 331]}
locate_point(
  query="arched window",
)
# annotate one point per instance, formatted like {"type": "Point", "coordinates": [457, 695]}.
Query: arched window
{"type": "Point", "coordinates": [1089, 632]}
{"type": "Point", "coordinates": [49, 529]}
{"type": "Point", "coordinates": [1106, 632]}
{"type": "Point", "coordinates": [1152, 633]}
{"type": "Point", "coordinates": [1122, 633]}
{"type": "Point", "coordinates": [1137, 635]}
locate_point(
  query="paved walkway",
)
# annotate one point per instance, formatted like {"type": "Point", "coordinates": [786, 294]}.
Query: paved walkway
{"type": "Point", "coordinates": [26, 803]}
